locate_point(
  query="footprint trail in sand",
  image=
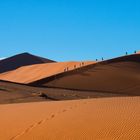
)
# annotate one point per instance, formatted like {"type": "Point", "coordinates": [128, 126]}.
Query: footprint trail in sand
{"type": "Point", "coordinates": [31, 127]}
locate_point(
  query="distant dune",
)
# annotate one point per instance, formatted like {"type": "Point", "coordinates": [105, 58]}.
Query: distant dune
{"type": "Point", "coordinates": [28, 74]}
{"type": "Point", "coordinates": [19, 60]}
{"type": "Point", "coordinates": [95, 119]}
{"type": "Point", "coordinates": [119, 75]}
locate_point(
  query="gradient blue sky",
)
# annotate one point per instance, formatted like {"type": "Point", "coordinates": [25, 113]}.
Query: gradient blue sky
{"type": "Point", "coordinates": [69, 29]}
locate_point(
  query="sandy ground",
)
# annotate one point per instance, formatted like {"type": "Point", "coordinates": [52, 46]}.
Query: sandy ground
{"type": "Point", "coordinates": [27, 74]}
{"type": "Point", "coordinates": [94, 119]}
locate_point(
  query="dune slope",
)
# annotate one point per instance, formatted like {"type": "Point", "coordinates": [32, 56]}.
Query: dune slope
{"type": "Point", "coordinates": [19, 60]}
{"type": "Point", "coordinates": [15, 93]}
{"type": "Point", "coordinates": [28, 74]}
{"type": "Point", "coordinates": [20, 93]}
{"type": "Point", "coordinates": [107, 119]}
{"type": "Point", "coordinates": [119, 75]}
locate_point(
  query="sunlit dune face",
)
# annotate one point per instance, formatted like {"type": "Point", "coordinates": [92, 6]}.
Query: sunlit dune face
{"type": "Point", "coordinates": [32, 73]}
{"type": "Point", "coordinates": [101, 119]}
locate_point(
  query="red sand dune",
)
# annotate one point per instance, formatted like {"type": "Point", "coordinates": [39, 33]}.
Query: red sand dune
{"type": "Point", "coordinates": [119, 75]}
{"type": "Point", "coordinates": [19, 60]}
{"type": "Point", "coordinates": [21, 93]}
{"type": "Point", "coordinates": [95, 119]}
{"type": "Point", "coordinates": [28, 74]}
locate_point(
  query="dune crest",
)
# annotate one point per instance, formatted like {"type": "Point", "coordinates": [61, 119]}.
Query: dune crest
{"type": "Point", "coordinates": [28, 74]}
{"type": "Point", "coordinates": [118, 75]}
{"type": "Point", "coordinates": [20, 60]}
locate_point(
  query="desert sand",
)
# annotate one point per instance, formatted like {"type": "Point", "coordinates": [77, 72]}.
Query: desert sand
{"type": "Point", "coordinates": [28, 74]}
{"type": "Point", "coordinates": [21, 93]}
{"type": "Point", "coordinates": [49, 117]}
{"type": "Point", "coordinates": [119, 75]}
{"type": "Point", "coordinates": [94, 119]}
{"type": "Point", "coordinates": [19, 60]}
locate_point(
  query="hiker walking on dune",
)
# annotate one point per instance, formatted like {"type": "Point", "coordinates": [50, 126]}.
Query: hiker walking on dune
{"type": "Point", "coordinates": [82, 63]}
{"type": "Point", "coordinates": [67, 68]}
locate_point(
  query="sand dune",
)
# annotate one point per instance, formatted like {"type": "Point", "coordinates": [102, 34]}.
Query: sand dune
{"type": "Point", "coordinates": [119, 75]}
{"type": "Point", "coordinates": [111, 118]}
{"type": "Point", "coordinates": [19, 60]}
{"type": "Point", "coordinates": [20, 93]}
{"type": "Point", "coordinates": [15, 93]}
{"type": "Point", "coordinates": [95, 119]}
{"type": "Point", "coordinates": [28, 74]}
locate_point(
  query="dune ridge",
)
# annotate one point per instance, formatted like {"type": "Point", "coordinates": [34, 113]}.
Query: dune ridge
{"type": "Point", "coordinates": [28, 74]}
{"type": "Point", "coordinates": [120, 75]}
{"type": "Point", "coordinates": [20, 60]}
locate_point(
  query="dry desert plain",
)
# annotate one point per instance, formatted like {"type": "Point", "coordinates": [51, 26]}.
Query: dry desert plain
{"type": "Point", "coordinates": [39, 100]}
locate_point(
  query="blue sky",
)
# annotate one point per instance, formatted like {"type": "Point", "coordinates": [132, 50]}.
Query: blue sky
{"type": "Point", "coordinates": [69, 29]}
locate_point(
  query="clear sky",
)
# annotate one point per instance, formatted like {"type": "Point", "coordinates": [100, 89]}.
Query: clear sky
{"type": "Point", "coordinates": [69, 29]}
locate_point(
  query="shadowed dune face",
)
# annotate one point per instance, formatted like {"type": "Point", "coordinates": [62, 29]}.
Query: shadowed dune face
{"type": "Point", "coordinates": [15, 93]}
{"type": "Point", "coordinates": [28, 74]}
{"type": "Point", "coordinates": [19, 93]}
{"type": "Point", "coordinates": [19, 60]}
{"type": "Point", "coordinates": [110, 76]}
{"type": "Point", "coordinates": [101, 119]}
